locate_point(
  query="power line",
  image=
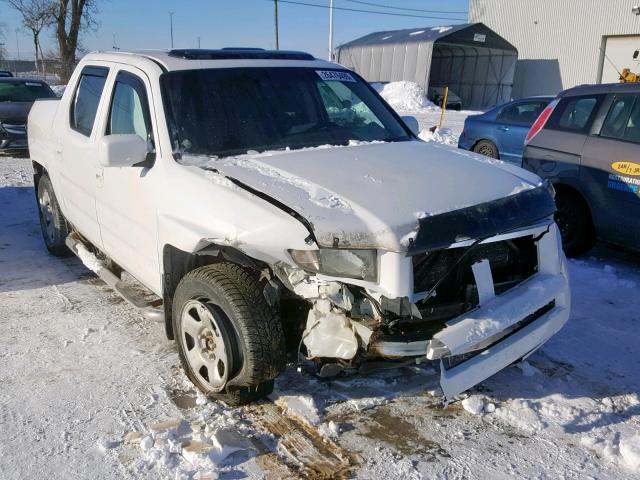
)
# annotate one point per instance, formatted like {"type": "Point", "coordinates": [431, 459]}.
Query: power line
{"type": "Point", "coordinates": [404, 8]}
{"type": "Point", "coordinates": [369, 11]}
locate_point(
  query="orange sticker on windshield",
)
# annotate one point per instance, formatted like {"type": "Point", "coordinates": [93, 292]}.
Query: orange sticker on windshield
{"type": "Point", "coordinates": [627, 168]}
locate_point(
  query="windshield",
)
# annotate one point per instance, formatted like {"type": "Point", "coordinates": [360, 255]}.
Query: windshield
{"type": "Point", "coordinates": [231, 111]}
{"type": "Point", "coordinates": [24, 91]}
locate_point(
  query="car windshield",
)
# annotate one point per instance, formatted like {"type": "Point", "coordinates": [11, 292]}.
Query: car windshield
{"type": "Point", "coordinates": [24, 91]}
{"type": "Point", "coordinates": [231, 111]}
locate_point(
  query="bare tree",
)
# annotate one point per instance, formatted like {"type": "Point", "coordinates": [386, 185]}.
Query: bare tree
{"type": "Point", "coordinates": [71, 18]}
{"type": "Point", "coordinates": [2, 37]}
{"type": "Point", "coordinates": [36, 16]}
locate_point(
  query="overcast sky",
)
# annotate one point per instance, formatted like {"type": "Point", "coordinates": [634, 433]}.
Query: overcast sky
{"type": "Point", "coordinates": [220, 23]}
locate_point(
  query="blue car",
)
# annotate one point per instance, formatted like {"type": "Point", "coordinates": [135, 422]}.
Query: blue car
{"type": "Point", "coordinates": [500, 132]}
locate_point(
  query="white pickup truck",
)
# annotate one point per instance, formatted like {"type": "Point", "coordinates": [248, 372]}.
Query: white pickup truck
{"type": "Point", "coordinates": [266, 198]}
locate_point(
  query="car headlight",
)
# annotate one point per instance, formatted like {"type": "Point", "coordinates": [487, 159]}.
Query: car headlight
{"type": "Point", "coordinates": [360, 264]}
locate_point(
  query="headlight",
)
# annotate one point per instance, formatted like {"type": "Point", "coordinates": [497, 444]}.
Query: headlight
{"type": "Point", "coordinates": [360, 264]}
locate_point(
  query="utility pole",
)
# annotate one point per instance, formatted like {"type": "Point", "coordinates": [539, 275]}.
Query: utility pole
{"type": "Point", "coordinates": [198, 42]}
{"type": "Point", "coordinates": [15, 64]}
{"type": "Point", "coordinates": [330, 30]}
{"type": "Point", "coordinates": [275, 5]}
{"type": "Point", "coordinates": [17, 43]}
{"type": "Point", "coordinates": [171, 26]}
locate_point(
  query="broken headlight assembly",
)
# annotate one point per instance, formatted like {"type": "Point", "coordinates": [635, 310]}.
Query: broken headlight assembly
{"type": "Point", "coordinates": [360, 264]}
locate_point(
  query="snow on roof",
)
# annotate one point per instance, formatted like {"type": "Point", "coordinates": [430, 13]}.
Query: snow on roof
{"type": "Point", "coordinates": [408, 35]}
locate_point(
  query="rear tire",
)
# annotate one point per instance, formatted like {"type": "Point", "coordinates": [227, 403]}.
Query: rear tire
{"type": "Point", "coordinates": [230, 341]}
{"type": "Point", "coordinates": [574, 220]}
{"type": "Point", "coordinates": [54, 226]}
{"type": "Point", "coordinates": [486, 148]}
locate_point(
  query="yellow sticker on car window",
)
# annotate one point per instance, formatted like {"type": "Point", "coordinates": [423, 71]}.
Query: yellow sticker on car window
{"type": "Point", "coordinates": [628, 168]}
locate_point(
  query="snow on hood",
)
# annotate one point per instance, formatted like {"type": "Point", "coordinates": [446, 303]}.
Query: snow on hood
{"type": "Point", "coordinates": [372, 195]}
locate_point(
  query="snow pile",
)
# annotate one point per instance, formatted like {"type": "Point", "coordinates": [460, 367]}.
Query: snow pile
{"type": "Point", "coordinates": [630, 452]}
{"type": "Point", "coordinates": [88, 259]}
{"type": "Point", "coordinates": [58, 90]}
{"type": "Point", "coordinates": [405, 96]}
{"type": "Point", "coordinates": [186, 449]}
{"type": "Point", "coordinates": [302, 407]}
{"type": "Point", "coordinates": [478, 405]}
{"type": "Point", "coordinates": [439, 135]}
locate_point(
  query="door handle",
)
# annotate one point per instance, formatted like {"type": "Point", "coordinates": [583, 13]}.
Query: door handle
{"type": "Point", "coordinates": [99, 178]}
{"type": "Point", "coordinates": [503, 129]}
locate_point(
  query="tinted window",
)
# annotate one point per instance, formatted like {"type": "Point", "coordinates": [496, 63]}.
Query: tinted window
{"type": "Point", "coordinates": [522, 113]}
{"type": "Point", "coordinates": [229, 111]}
{"type": "Point", "coordinates": [632, 132]}
{"type": "Point", "coordinates": [129, 111]}
{"type": "Point", "coordinates": [617, 119]}
{"type": "Point", "coordinates": [85, 103]}
{"type": "Point", "coordinates": [574, 113]}
{"type": "Point", "coordinates": [24, 91]}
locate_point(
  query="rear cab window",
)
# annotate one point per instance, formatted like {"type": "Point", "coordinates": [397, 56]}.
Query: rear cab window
{"type": "Point", "coordinates": [623, 119]}
{"type": "Point", "coordinates": [575, 114]}
{"type": "Point", "coordinates": [86, 99]}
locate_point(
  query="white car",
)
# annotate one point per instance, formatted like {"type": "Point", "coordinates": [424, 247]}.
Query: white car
{"type": "Point", "coordinates": [264, 196]}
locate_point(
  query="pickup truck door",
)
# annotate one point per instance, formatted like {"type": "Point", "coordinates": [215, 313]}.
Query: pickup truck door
{"type": "Point", "coordinates": [610, 173]}
{"type": "Point", "coordinates": [76, 153]}
{"type": "Point", "coordinates": [126, 196]}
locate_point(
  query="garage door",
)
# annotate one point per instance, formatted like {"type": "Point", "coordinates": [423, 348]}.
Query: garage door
{"type": "Point", "coordinates": [620, 52]}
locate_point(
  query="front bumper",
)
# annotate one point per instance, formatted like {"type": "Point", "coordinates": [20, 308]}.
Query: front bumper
{"type": "Point", "coordinates": [494, 358]}
{"type": "Point", "coordinates": [13, 137]}
{"type": "Point", "coordinates": [503, 329]}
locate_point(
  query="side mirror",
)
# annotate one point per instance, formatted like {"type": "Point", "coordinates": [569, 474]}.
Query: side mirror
{"type": "Point", "coordinates": [635, 54]}
{"type": "Point", "coordinates": [411, 122]}
{"type": "Point", "coordinates": [122, 150]}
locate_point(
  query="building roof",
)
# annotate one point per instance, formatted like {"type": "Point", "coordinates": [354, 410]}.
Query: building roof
{"type": "Point", "coordinates": [472, 34]}
{"type": "Point", "coordinates": [408, 35]}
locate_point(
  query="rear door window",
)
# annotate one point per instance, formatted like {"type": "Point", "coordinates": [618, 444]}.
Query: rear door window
{"type": "Point", "coordinates": [632, 131]}
{"type": "Point", "coordinates": [522, 113]}
{"type": "Point", "coordinates": [615, 123]}
{"type": "Point", "coordinates": [87, 98]}
{"type": "Point", "coordinates": [575, 114]}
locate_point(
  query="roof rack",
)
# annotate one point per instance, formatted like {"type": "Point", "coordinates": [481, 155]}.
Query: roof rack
{"type": "Point", "coordinates": [239, 54]}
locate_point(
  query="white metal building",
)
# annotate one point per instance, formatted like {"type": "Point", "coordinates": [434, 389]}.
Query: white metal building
{"type": "Point", "coordinates": [472, 60]}
{"type": "Point", "coordinates": [562, 43]}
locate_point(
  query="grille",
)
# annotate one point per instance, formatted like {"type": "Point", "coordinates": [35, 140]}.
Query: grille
{"type": "Point", "coordinates": [511, 261]}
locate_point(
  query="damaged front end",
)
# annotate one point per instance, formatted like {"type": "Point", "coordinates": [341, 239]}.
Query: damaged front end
{"type": "Point", "coordinates": [472, 304]}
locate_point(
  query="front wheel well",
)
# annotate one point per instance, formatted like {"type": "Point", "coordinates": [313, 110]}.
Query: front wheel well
{"type": "Point", "coordinates": [38, 171]}
{"type": "Point", "coordinates": [177, 263]}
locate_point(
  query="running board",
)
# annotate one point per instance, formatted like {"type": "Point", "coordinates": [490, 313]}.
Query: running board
{"type": "Point", "coordinates": [150, 309]}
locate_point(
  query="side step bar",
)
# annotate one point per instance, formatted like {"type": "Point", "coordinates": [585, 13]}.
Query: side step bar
{"type": "Point", "coordinates": [150, 309]}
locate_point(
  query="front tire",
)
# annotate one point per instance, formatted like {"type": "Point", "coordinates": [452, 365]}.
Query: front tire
{"type": "Point", "coordinates": [486, 148]}
{"type": "Point", "coordinates": [54, 226]}
{"type": "Point", "coordinates": [230, 341]}
{"type": "Point", "coordinates": [574, 220]}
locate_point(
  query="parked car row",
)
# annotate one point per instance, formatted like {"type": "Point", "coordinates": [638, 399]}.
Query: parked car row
{"type": "Point", "coordinates": [587, 143]}
{"type": "Point", "coordinates": [16, 99]}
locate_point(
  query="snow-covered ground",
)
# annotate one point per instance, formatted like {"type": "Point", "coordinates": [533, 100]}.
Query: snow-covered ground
{"type": "Point", "coordinates": [91, 389]}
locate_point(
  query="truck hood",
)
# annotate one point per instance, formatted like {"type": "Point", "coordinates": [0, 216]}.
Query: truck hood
{"type": "Point", "coordinates": [14, 113]}
{"type": "Point", "coordinates": [373, 195]}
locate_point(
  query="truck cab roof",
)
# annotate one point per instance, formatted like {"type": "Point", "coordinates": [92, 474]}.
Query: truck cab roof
{"type": "Point", "coordinates": [191, 59]}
